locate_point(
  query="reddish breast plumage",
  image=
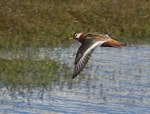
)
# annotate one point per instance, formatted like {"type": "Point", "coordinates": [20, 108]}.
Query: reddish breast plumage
{"type": "Point", "coordinates": [89, 42]}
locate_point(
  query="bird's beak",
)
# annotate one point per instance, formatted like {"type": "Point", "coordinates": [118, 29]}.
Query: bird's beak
{"type": "Point", "coordinates": [71, 38]}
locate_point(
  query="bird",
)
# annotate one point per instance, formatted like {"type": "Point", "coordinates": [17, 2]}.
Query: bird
{"type": "Point", "coordinates": [89, 42]}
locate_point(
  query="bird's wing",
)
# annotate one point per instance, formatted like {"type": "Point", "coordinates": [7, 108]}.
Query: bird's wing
{"type": "Point", "coordinates": [113, 43]}
{"type": "Point", "coordinates": [83, 55]}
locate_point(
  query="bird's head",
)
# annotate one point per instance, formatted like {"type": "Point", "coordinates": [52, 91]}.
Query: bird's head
{"type": "Point", "coordinates": [77, 35]}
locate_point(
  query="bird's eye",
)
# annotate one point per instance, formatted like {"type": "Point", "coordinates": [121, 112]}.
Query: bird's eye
{"type": "Point", "coordinates": [76, 35]}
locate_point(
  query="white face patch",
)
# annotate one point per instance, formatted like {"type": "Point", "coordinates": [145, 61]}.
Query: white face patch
{"type": "Point", "coordinates": [77, 35]}
{"type": "Point", "coordinates": [107, 35]}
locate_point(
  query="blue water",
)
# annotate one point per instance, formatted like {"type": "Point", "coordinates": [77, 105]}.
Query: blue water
{"type": "Point", "coordinates": [115, 81]}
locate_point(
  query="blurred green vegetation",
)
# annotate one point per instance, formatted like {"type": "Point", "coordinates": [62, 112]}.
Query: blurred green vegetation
{"type": "Point", "coordinates": [40, 23]}
{"type": "Point", "coordinates": [19, 74]}
{"type": "Point", "coordinates": [51, 22]}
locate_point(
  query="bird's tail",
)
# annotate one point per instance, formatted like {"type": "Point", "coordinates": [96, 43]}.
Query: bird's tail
{"type": "Point", "coordinates": [113, 43]}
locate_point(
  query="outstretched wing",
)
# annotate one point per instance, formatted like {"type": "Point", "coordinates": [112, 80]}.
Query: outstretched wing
{"type": "Point", "coordinates": [83, 55]}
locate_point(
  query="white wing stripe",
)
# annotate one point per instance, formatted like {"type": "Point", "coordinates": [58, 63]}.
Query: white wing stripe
{"type": "Point", "coordinates": [92, 47]}
{"type": "Point", "coordinates": [84, 59]}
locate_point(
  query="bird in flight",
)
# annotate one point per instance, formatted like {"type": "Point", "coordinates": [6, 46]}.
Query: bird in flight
{"type": "Point", "coordinates": [89, 41]}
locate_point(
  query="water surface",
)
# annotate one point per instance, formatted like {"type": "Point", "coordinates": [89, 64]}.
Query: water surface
{"type": "Point", "coordinates": [115, 81]}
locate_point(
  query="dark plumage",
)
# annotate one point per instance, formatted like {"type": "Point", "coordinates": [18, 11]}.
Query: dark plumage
{"type": "Point", "coordinates": [89, 42]}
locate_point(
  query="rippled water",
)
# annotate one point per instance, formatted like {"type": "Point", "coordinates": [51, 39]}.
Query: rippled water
{"type": "Point", "coordinates": [115, 81]}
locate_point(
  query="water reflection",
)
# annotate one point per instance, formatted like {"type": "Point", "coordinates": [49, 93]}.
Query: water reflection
{"type": "Point", "coordinates": [116, 80]}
